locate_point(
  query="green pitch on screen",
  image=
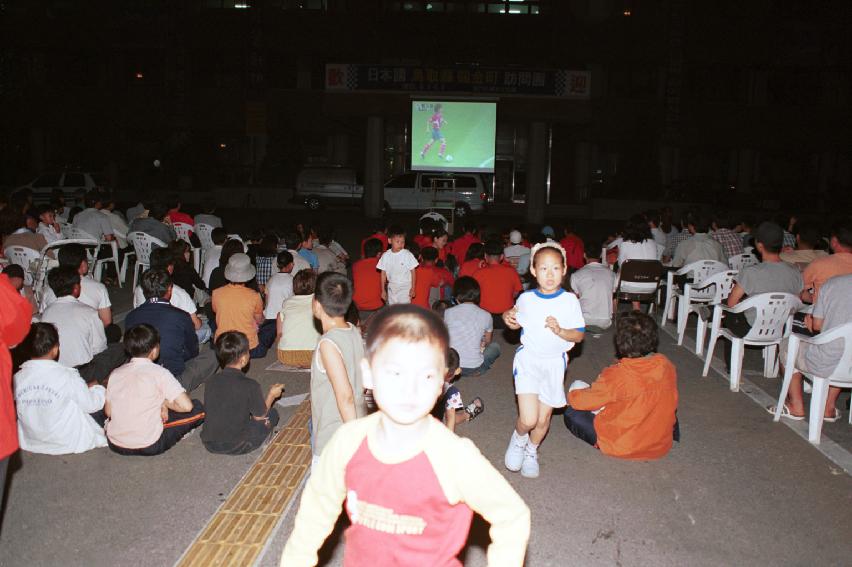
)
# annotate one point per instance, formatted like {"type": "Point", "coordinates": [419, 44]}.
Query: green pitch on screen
{"type": "Point", "coordinates": [466, 128]}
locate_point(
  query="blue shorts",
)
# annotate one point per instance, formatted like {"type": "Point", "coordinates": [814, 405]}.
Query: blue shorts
{"type": "Point", "coordinates": [436, 134]}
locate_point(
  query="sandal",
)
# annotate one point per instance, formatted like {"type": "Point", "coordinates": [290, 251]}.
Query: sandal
{"type": "Point", "coordinates": [473, 409]}
{"type": "Point", "coordinates": [837, 415]}
{"type": "Point", "coordinates": [785, 412]}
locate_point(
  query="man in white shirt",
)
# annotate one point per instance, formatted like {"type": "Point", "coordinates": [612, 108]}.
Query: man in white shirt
{"type": "Point", "coordinates": [92, 293]}
{"type": "Point", "coordinates": [593, 285]}
{"type": "Point", "coordinates": [92, 220]}
{"type": "Point", "coordinates": [58, 413]}
{"type": "Point", "coordinates": [212, 254]}
{"type": "Point", "coordinates": [279, 288]}
{"type": "Point", "coordinates": [83, 342]}
{"type": "Point", "coordinates": [119, 226]}
{"type": "Point", "coordinates": [517, 254]}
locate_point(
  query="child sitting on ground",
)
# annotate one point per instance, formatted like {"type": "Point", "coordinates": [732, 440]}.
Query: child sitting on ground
{"type": "Point", "coordinates": [553, 322]}
{"type": "Point", "coordinates": [337, 392]}
{"type": "Point", "coordinates": [593, 284]}
{"type": "Point", "coordinates": [148, 409]}
{"type": "Point", "coordinates": [635, 399]}
{"type": "Point", "coordinates": [58, 413]}
{"type": "Point", "coordinates": [410, 485]}
{"type": "Point", "coordinates": [238, 418]}
{"type": "Point", "coordinates": [397, 265]}
{"type": "Point", "coordinates": [471, 329]}
{"type": "Point", "coordinates": [450, 408]}
{"type": "Point", "coordinates": [430, 279]}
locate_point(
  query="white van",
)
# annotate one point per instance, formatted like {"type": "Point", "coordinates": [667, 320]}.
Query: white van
{"type": "Point", "coordinates": [412, 191]}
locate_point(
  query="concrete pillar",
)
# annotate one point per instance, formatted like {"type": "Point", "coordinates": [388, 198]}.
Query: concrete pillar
{"type": "Point", "coordinates": [374, 168]}
{"type": "Point", "coordinates": [536, 195]}
{"type": "Point", "coordinates": [582, 171]}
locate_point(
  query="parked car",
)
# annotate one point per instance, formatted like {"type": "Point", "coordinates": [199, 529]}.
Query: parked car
{"type": "Point", "coordinates": [412, 191]}
{"type": "Point", "coordinates": [69, 181]}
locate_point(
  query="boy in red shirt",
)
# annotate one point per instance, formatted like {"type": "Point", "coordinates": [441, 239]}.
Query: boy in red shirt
{"type": "Point", "coordinates": [499, 283]}
{"type": "Point", "coordinates": [429, 276]}
{"type": "Point", "coordinates": [367, 280]}
{"type": "Point", "coordinates": [381, 234]}
{"type": "Point", "coordinates": [459, 246]}
{"type": "Point", "coordinates": [574, 248]}
{"type": "Point", "coordinates": [397, 472]}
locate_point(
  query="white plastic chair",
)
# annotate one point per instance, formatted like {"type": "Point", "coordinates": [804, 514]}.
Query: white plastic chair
{"type": "Point", "coordinates": [700, 271]}
{"type": "Point", "coordinates": [205, 235]}
{"type": "Point", "coordinates": [122, 275]}
{"type": "Point", "coordinates": [27, 258]}
{"type": "Point", "coordinates": [183, 232]}
{"type": "Point", "coordinates": [143, 243]}
{"type": "Point", "coordinates": [96, 264]}
{"type": "Point", "coordinates": [841, 377]}
{"type": "Point", "coordinates": [697, 297]}
{"type": "Point", "coordinates": [773, 320]}
{"type": "Point", "coordinates": [741, 261]}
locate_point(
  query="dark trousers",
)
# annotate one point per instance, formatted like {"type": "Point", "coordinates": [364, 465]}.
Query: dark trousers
{"type": "Point", "coordinates": [102, 364]}
{"type": "Point", "coordinates": [581, 424]}
{"type": "Point", "coordinates": [739, 326]}
{"type": "Point", "coordinates": [256, 434]}
{"type": "Point", "coordinates": [497, 320]}
{"type": "Point", "coordinates": [178, 425]}
{"type": "Point", "coordinates": [197, 370]}
{"type": "Point", "coordinates": [265, 337]}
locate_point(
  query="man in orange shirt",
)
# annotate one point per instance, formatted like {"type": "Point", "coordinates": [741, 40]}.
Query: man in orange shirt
{"type": "Point", "coordinates": [367, 280]}
{"type": "Point", "coordinates": [630, 411]}
{"type": "Point", "coordinates": [499, 283]}
{"type": "Point", "coordinates": [381, 234]}
{"type": "Point", "coordinates": [838, 264]}
{"type": "Point", "coordinates": [429, 276]}
{"type": "Point", "coordinates": [240, 308]}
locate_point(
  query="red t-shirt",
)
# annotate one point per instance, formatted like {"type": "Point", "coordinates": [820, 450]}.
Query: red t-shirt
{"type": "Point", "coordinates": [573, 246]}
{"type": "Point", "coordinates": [461, 244]}
{"type": "Point", "coordinates": [427, 278]}
{"type": "Point", "coordinates": [499, 284]}
{"type": "Point", "coordinates": [178, 216]}
{"type": "Point", "coordinates": [469, 268]}
{"type": "Point", "coordinates": [367, 284]}
{"type": "Point", "coordinates": [380, 236]}
{"type": "Point", "coordinates": [423, 240]}
{"type": "Point", "coordinates": [15, 316]}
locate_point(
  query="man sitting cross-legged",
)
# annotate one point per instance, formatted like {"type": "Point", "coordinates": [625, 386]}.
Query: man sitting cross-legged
{"type": "Point", "coordinates": [179, 351]}
{"type": "Point", "coordinates": [81, 331]}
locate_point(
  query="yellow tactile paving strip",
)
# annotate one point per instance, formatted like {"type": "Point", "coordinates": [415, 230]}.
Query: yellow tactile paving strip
{"type": "Point", "coordinates": [237, 532]}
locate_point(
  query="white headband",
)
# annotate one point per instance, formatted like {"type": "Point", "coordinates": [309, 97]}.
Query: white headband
{"type": "Point", "coordinates": [549, 244]}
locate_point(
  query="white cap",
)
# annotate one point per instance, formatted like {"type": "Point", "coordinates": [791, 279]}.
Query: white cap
{"type": "Point", "coordinates": [515, 237]}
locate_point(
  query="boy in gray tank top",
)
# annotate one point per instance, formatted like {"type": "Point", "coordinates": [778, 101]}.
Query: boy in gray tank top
{"type": "Point", "coordinates": [337, 393]}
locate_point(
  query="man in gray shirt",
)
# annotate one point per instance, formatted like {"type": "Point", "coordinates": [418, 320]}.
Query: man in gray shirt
{"type": "Point", "coordinates": [832, 309]}
{"type": "Point", "coordinates": [155, 224]}
{"type": "Point", "coordinates": [92, 220]}
{"type": "Point", "coordinates": [770, 276]}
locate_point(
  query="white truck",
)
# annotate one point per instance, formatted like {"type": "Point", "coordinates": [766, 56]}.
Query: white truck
{"type": "Point", "coordinates": [411, 191]}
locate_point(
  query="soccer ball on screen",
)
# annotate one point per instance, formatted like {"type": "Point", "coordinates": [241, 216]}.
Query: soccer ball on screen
{"type": "Point", "coordinates": [449, 158]}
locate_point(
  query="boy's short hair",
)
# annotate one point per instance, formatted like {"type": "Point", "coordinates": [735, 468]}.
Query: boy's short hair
{"type": "Point", "coordinates": [155, 283]}
{"type": "Point", "coordinates": [284, 259]}
{"type": "Point", "coordinates": [372, 247]}
{"type": "Point", "coordinates": [395, 230]}
{"type": "Point", "coordinates": [161, 258]}
{"type": "Point", "coordinates": [333, 293]}
{"type": "Point", "coordinates": [592, 249]}
{"type": "Point", "coordinates": [62, 280]}
{"type": "Point", "coordinates": [493, 247]}
{"type": "Point", "coordinates": [45, 208]}
{"type": "Point", "coordinates": [42, 338]}
{"type": "Point", "coordinates": [409, 323]}
{"type": "Point", "coordinates": [219, 235]}
{"type": "Point", "coordinates": [141, 340]}
{"type": "Point", "coordinates": [14, 271]}
{"type": "Point", "coordinates": [304, 282]}
{"type": "Point", "coordinates": [72, 255]}
{"type": "Point", "coordinates": [429, 253]}
{"type": "Point", "coordinates": [230, 346]}
{"type": "Point", "coordinates": [467, 290]}
{"type": "Point", "coordinates": [635, 335]}
{"type": "Point", "coordinates": [453, 362]}
{"type": "Point", "coordinates": [475, 251]}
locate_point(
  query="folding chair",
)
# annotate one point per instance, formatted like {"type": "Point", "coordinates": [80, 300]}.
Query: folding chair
{"type": "Point", "coordinates": [841, 377]}
{"type": "Point", "coordinates": [773, 320]}
{"type": "Point", "coordinates": [27, 258]}
{"type": "Point", "coordinates": [647, 273]}
{"type": "Point", "coordinates": [697, 298]}
{"type": "Point", "coordinates": [96, 263]}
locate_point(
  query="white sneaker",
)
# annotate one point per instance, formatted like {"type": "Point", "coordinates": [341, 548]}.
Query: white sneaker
{"type": "Point", "coordinates": [529, 468]}
{"type": "Point", "coordinates": [515, 452]}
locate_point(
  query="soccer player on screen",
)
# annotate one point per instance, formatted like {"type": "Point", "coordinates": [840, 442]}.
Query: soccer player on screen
{"type": "Point", "coordinates": [433, 125]}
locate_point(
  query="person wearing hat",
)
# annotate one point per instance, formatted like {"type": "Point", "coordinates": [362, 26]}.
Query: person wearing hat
{"type": "Point", "coordinates": [240, 308]}
{"type": "Point", "coordinates": [772, 275]}
{"type": "Point", "coordinates": [517, 254]}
